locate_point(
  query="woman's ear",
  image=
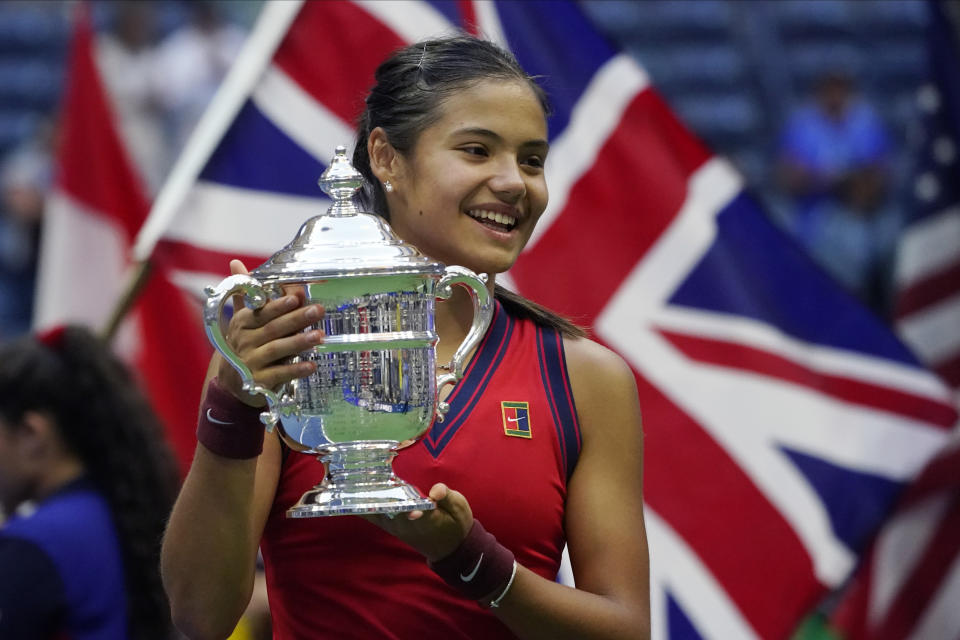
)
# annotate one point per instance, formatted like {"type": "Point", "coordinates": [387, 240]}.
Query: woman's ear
{"type": "Point", "coordinates": [37, 435]}
{"type": "Point", "coordinates": [385, 160]}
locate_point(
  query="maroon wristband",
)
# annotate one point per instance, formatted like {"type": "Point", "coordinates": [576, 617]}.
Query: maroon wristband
{"type": "Point", "coordinates": [228, 427]}
{"type": "Point", "coordinates": [479, 568]}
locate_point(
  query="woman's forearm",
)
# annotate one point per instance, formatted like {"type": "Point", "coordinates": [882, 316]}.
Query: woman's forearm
{"type": "Point", "coordinates": [536, 608]}
{"type": "Point", "coordinates": [209, 549]}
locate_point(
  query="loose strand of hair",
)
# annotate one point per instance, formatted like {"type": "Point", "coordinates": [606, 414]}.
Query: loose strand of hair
{"type": "Point", "coordinates": [522, 307]}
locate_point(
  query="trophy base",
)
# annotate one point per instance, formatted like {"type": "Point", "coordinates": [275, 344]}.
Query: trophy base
{"type": "Point", "coordinates": [359, 480]}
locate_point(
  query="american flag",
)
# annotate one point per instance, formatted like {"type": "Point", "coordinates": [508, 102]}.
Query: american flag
{"type": "Point", "coordinates": [909, 583]}
{"type": "Point", "coordinates": [928, 269]}
{"type": "Point", "coordinates": [781, 418]}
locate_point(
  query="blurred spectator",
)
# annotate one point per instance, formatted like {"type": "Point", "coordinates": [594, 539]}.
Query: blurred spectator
{"type": "Point", "coordinates": [126, 56]}
{"type": "Point", "coordinates": [192, 61]}
{"type": "Point", "coordinates": [856, 243]}
{"type": "Point", "coordinates": [88, 484]}
{"type": "Point", "coordinates": [25, 177]}
{"type": "Point", "coordinates": [833, 162]}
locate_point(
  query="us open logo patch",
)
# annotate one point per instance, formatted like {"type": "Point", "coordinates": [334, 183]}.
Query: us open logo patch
{"type": "Point", "coordinates": [516, 419]}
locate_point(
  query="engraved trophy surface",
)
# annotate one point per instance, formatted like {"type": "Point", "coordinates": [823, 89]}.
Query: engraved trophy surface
{"type": "Point", "coordinates": [376, 384]}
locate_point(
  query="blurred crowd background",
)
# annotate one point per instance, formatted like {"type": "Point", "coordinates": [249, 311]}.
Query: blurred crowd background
{"type": "Point", "coordinates": [161, 63]}
{"type": "Point", "coordinates": [818, 103]}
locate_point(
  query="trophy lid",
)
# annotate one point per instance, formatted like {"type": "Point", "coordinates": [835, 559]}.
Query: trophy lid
{"type": "Point", "coordinates": [345, 241]}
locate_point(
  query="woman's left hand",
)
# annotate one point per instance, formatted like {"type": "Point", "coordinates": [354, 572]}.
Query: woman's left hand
{"type": "Point", "coordinates": [435, 533]}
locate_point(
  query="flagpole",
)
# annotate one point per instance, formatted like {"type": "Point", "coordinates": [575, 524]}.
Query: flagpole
{"type": "Point", "coordinates": [273, 23]}
{"type": "Point", "coordinates": [137, 276]}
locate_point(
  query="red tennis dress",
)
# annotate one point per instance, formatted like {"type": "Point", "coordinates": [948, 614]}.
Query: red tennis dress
{"type": "Point", "coordinates": [509, 444]}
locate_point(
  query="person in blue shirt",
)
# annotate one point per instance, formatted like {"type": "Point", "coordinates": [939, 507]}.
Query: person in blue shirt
{"type": "Point", "coordinates": [833, 162]}
{"type": "Point", "coordinates": [830, 141]}
{"type": "Point", "coordinates": [86, 484]}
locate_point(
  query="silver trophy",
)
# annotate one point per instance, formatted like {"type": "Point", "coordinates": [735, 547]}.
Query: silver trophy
{"type": "Point", "coordinates": [376, 385]}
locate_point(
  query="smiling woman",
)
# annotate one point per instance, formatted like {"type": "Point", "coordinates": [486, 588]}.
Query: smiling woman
{"type": "Point", "coordinates": [542, 443]}
{"type": "Point", "coordinates": [410, 93]}
{"type": "Point", "coordinates": [472, 188]}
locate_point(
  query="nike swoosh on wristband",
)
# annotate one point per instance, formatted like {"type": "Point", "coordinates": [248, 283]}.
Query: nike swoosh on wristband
{"type": "Point", "coordinates": [214, 420]}
{"type": "Point", "coordinates": [470, 576]}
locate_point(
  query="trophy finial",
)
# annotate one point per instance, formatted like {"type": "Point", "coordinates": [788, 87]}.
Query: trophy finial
{"type": "Point", "coordinates": [341, 182]}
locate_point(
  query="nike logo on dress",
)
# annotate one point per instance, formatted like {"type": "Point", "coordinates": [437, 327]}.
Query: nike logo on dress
{"type": "Point", "coordinates": [212, 419]}
{"type": "Point", "coordinates": [513, 419]}
{"type": "Point", "coordinates": [470, 576]}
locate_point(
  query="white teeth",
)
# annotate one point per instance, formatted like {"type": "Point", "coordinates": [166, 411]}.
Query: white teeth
{"type": "Point", "coordinates": [492, 215]}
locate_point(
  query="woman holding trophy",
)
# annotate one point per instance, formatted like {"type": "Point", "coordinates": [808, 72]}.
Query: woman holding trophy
{"type": "Point", "coordinates": [541, 446]}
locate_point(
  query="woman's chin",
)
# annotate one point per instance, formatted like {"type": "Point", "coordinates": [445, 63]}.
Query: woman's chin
{"type": "Point", "coordinates": [489, 266]}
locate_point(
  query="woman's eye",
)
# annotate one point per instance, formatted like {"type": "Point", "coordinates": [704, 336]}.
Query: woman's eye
{"type": "Point", "coordinates": [534, 161]}
{"type": "Point", "coordinates": [475, 150]}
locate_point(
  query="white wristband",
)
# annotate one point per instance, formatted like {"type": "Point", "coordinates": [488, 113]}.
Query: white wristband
{"type": "Point", "coordinates": [496, 602]}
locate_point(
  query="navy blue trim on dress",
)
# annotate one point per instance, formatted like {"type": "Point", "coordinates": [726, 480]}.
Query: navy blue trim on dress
{"type": "Point", "coordinates": [468, 391]}
{"type": "Point", "coordinates": [556, 383]}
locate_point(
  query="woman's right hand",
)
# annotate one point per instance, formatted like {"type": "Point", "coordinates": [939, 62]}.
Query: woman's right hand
{"type": "Point", "coordinates": [265, 338]}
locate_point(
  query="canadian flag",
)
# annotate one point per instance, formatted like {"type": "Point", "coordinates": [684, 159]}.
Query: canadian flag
{"type": "Point", "coordinates": [97, 206]}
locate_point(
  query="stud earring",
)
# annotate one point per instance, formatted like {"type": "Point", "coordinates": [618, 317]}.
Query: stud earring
{"type": "Point", "coordinates": [388, 187]}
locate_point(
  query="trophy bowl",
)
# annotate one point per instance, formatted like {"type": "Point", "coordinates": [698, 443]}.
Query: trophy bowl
{"type": "Point", "coordinates": [376, 385]}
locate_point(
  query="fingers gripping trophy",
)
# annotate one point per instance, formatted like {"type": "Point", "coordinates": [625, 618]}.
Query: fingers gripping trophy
{"type": "Point", "coordinates": [375, 385]}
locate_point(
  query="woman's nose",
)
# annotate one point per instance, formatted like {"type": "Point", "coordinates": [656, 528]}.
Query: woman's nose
{"type": "Point", "coordinates": [508, 182]}
{"type": "Point", "coordinates": [509, 186]}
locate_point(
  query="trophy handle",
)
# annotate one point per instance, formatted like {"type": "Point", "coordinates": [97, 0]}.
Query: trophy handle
{"type": "Point", "coordinates": [254, 296]}
{"type": "Point", "coordinates": [476, 286]}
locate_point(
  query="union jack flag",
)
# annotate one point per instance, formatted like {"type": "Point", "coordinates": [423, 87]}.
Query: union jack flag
{"type": "Point", "coordinates": [781, 418]}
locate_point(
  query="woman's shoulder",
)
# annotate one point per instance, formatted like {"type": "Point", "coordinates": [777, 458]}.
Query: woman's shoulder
{"type": "Point", "coordinates": [67, 534]}
{"type": "Point", "coordinates": [602, 382]}
{"type": "Point", "coordinates": [74, 521]}
{"type": "Point", "coordinates": [605, 392]}
{"type": "Point", "coordinates": [591, 359]}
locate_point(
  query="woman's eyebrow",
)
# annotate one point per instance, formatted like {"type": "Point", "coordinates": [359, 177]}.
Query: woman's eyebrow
{"type": "Point", "coordinates": [487, 133]}
{"type": "Point", "coordinates": [477, 131]}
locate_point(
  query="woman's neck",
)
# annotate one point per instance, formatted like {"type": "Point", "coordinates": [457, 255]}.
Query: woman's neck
{"type": "Point", "coordinates": [61, 473]}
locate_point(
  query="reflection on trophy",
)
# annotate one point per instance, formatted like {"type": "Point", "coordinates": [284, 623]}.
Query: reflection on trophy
{"type": "Point", "coordinates": [375, 385]}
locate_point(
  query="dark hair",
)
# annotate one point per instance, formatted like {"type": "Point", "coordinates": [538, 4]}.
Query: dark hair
{"type": "Point", "coordinates": [104, 420]}
{"type": "Point", "coordinates": [410, 88]}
